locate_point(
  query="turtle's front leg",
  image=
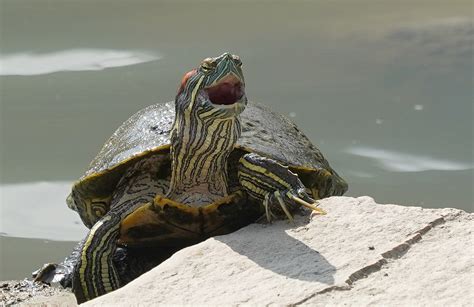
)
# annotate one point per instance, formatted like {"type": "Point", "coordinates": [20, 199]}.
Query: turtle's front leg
{"type": "Point", "coordinates": [95, 273]}
{"type": "Point", "coordinates": [279, 189]}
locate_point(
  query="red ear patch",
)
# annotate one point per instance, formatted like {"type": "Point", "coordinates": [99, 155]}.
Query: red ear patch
{"type": "Point", "coordinates": [185, 79]}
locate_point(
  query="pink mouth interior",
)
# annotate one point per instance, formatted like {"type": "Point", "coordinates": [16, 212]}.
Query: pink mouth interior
{"type": "Point", "coordinates": [225, 92]}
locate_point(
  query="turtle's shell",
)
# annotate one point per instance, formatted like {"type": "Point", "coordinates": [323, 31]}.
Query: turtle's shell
{"type": "Point", "coordinates": [148, 132]}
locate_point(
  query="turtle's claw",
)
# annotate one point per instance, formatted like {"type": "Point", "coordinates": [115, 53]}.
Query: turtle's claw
{"type": "Point", "coordinates": [267, 205]}
{"type": "Point", "coordinates": [283, 205]}
{"type": "Point", "coordinates": [267, 210]}
{"type": "Point", "coordinates": [302, 202]}
{"type": "Point", "coordinates": [288, 201]}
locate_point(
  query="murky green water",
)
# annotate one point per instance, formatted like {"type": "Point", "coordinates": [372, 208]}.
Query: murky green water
{"type": "Point", "coordinates": [384, 88]}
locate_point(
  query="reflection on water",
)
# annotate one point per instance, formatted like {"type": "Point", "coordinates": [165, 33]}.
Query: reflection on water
{"type": "Point", "coordinates": [403, 162]}
{"type": "Point", "coordinates": [29, 64]}
{"type": "Point", "coordinates": [38, 210]}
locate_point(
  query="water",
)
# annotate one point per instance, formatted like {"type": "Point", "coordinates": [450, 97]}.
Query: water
{"type": "Point", "coordinates": [384, 88]}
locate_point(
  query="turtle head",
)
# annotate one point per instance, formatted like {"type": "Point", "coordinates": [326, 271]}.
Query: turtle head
{"type": "Point", "coordinates": [215, 89]}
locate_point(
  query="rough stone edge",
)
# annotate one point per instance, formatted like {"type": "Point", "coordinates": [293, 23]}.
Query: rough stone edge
{"type": "Point", "coordinates": [392, 254]}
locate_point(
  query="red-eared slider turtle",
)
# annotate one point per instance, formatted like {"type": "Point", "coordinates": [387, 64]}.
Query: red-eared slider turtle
{"type": "Point", "coordinates": [177, 173]}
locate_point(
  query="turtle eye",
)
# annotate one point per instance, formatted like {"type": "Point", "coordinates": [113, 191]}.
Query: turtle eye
{"type": "Point", "coordinates": [237, 60]}
{"type": "Point", "coordinates": [207, 65]}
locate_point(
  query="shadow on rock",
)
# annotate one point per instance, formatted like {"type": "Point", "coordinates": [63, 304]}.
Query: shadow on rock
{"type": "Point", "coordinates": [272, 248]}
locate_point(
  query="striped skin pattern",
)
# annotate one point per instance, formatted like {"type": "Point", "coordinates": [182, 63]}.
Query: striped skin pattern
{"type": "Point", "coordinates": [204, 134]}
{"type": "Point", "coordinates": [95, 273]}
{"type": "Point", "coordinates": [92, 208]}
{"type": "Point", "coordinates": [273, 184]}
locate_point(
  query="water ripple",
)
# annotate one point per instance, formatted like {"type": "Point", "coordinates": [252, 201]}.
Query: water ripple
{"type": "Point", "coordinates": [403, 162]}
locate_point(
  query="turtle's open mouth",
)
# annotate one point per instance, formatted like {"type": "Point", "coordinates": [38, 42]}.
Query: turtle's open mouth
{"type": "Point", "coordinates": [227, 91]}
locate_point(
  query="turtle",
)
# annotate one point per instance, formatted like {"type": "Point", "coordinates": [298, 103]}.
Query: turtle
{"type": "Point", "coordinates": [177, 173]}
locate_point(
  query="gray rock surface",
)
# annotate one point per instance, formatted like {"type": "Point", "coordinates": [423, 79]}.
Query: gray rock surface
{"type": "Point", "coordinates": [359, 253]}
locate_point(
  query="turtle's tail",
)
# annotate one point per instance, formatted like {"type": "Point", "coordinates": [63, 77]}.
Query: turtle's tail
{"type": "Point", "coordinates": [60, 273]}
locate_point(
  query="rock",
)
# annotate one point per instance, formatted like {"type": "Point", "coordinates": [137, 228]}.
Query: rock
{"type": "Point", "coordinates": [28, 293]}
{"type": "Point", "coordinates": [359, 253]}
{"type": "Point", "coordinates": [62, 299]}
